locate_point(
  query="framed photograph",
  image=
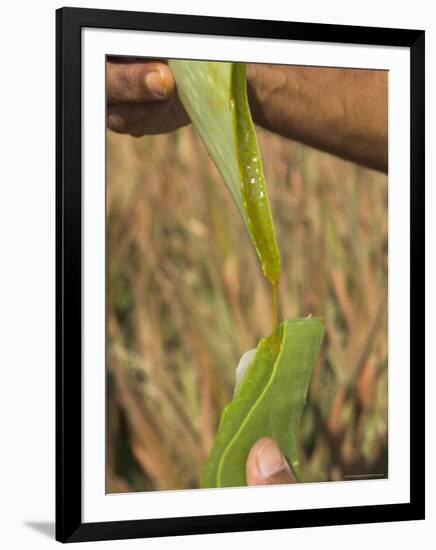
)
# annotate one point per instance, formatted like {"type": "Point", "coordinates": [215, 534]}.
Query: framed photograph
{"type": "Point", "coordinates": [240, 275]}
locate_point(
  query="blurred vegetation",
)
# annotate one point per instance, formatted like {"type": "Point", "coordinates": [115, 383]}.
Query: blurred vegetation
{"type": "Point", "coordinates": [186, 297]}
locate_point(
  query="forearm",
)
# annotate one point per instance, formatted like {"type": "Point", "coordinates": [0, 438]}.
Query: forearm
{"type": "Point", "coordinates": [341, 111]}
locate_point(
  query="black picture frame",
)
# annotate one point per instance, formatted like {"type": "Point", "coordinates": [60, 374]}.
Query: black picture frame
{"type": "Point", "coordinates": [69, 525]}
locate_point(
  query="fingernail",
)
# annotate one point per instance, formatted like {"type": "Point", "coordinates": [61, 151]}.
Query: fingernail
{"type": "Point", "coordinates": [156, 84]}
{"type": "Point", "coordinates": [270, 460]}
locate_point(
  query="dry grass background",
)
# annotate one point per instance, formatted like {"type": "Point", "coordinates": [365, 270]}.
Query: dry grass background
{"type": "Point", "coordinates": [187, 298]}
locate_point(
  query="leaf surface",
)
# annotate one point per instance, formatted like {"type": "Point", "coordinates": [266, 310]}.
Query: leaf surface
{"type": "Point", "coordinates": [214, 95]}
{"type": "Point", "coordinates": [269, 403]}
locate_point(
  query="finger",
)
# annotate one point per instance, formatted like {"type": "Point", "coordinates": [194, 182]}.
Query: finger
{"type": "Point", "coordinates": [267, 465]}
{"type": "Point", "coordinates": [138, 82]}
{"type": "Point", "coordinates": [146, 118]}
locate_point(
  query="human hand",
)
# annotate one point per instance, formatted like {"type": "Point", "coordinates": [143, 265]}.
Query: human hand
{"type": "Point", "coordinates": [267, 465]}
{"type": "Point", "coordinates": [141, 97]}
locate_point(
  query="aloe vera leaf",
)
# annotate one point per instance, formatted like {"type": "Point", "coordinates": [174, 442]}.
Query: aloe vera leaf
{"type": "Point", "coordinates": [269, 403]}
{"type": "Point", "coordinates": [214, 95]}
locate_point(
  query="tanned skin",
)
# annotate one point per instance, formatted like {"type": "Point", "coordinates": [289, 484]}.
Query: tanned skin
{"type": "Point", "coordinates": [341, 111]}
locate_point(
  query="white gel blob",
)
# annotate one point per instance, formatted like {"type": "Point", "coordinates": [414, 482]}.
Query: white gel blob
{"type": "Point", "coordinates": [244, 362]}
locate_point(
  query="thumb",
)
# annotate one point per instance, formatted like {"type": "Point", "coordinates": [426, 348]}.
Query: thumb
{"type": "Point", "coordinates": [267, 465]}
{"type": "Point", "coordinates": [135, 82]}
